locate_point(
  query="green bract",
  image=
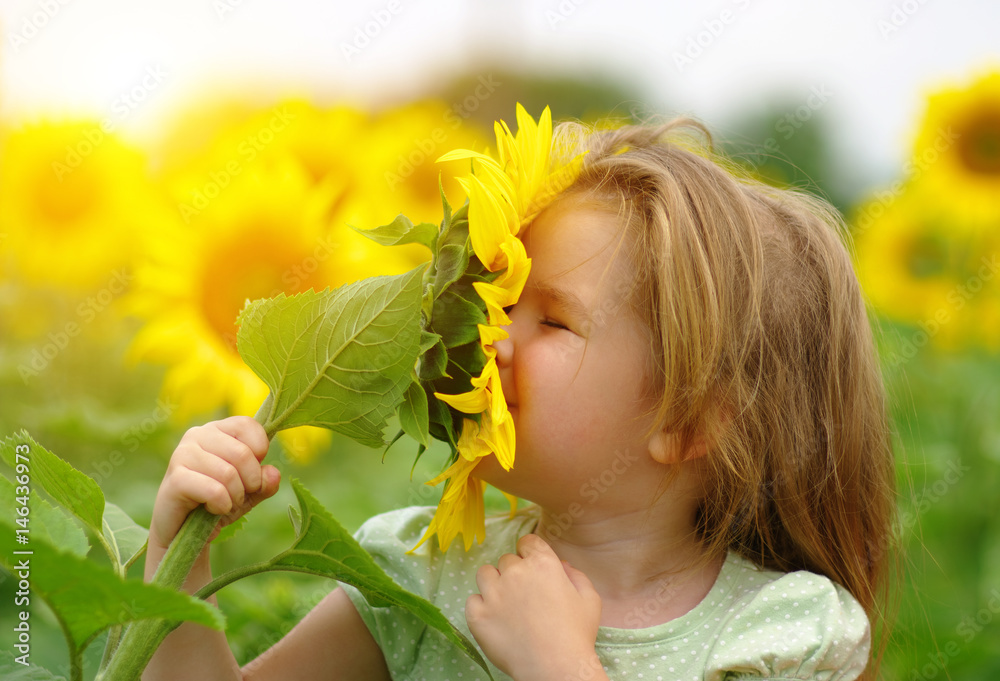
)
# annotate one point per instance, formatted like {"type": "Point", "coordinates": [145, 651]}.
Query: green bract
{"type": "Point", "coordinates": [451, 310]}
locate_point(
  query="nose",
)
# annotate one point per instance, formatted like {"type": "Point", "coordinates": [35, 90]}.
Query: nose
{"type": "Point", "coordinates": [505, 348]}
{"type": "Point", "coordinates": [505, 363]}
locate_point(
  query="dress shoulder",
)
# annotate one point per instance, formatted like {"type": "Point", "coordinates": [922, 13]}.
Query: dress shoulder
{"type": "Point", "coordinates": [445, 578]}
{"type": "Point", "coordinates": [796, 625]}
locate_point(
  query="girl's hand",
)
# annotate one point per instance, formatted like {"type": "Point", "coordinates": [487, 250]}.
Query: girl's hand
{"type": "Point", "coordinates": [536, 617]}
{"type": "Point", "coordinates": [218, 465]}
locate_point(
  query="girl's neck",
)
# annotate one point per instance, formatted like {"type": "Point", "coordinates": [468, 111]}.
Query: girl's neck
{"type": "Point", "coordinates": [647, 564]}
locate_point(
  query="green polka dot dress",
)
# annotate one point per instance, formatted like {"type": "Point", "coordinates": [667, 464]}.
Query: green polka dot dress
{"type": "Point", "coordinates": [752, 624]}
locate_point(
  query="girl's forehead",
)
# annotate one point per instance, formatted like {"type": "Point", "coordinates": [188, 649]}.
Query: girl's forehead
{"type": "Point", "coordinates": [579, 249]}
{"type": "Point", "coordinates": [574, 234]}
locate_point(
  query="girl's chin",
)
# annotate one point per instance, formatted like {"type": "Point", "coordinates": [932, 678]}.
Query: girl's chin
{"type": "Point", "coordinates": [490, 471]}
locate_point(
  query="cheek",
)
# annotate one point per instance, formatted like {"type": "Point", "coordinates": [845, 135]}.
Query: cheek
{"type": "Point", "coordinates": [569, 398]}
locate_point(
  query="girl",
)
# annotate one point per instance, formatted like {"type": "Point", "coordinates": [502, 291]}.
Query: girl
{"type": "Point", "coordinates": [702, 428]}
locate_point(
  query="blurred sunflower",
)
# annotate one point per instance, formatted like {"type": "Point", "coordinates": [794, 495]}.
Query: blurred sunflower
{"type": "Point", "coordinates": [267, 230]}
{"type": "Point", "coordinates": [505, 194]}
{"type": "Point", "coordinates": [387, 158]}
{"type": "Point", "coordinates": [919, 265]}
{"type": "Point", "coordinates": [957, 149]}
{"type": "Point", "coordinates": [403, 145]}
{"type": "Point", "coordinates": [229, 139]}
{"type": "Point", "coordinates": [75, 204]}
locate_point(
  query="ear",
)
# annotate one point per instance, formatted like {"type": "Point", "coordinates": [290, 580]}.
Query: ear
{"type": "Point", "coordinates": [665, 448]}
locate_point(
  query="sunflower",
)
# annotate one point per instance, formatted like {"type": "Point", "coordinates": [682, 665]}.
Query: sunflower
{"type": "Point", "coordinates": [505, 193]}
{"type": "Point", "coordinates": [921, 265]}
{"type": "Point", "coordinates": [267, 230]}
{"type": "Point", "coordinates": [402, 145]}
{"type": "Point", "coordinates": [75, 202]}
{"type": "Point", "coordinates": [957, 149]}
{"type": "Point", "coordinates": [264, 196]}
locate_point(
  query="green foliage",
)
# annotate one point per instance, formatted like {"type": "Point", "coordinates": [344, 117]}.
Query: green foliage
{"type": "Point", "coordinates": [75, 491]}
{"type": "Point", "coordinates": [413, 414]}
{"type": "Point", "coordinates": [10, 670]}
{"type": "Point", "coordinates": [123, 535]}
{"type": "Point", "coordinates": [89, 599]}
{"type": "Point", "coordinates": [402, 231]}
{"type": "Point", "coordinates": [48, 523]}
{"type": "Point", "coordinates": [323, 547]}
{"type": "Point", "coordinates": [348, 360]}
{"type": "Point", "coordinates": [338, 359]}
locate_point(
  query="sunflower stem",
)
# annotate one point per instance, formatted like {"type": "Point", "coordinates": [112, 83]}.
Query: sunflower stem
{"type": "Point", "coordinates": [143, 637]}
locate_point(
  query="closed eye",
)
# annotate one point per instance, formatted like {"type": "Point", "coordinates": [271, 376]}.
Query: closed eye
{"type": "Point", "coordinates": [554, 324]}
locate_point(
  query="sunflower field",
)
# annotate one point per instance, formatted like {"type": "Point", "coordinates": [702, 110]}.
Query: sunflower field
{"type": "Point", "coordinates": [123, 266]}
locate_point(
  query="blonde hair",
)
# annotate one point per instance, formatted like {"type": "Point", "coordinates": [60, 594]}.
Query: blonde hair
{"type": "Point", "coordinates": [761, 341]}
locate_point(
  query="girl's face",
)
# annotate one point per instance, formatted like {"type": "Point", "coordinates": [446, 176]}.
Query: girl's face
{"type": "Point", "coordinates": [574, 368]}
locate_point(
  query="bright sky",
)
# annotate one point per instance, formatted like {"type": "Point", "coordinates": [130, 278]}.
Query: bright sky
{"type": "Point", "coordinates": [875, 59]}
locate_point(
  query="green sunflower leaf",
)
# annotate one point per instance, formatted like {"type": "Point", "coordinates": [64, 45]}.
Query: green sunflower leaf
{"type": "Point", "coordinates": [402, 231]}
{"type": "Point", "coordinates": [12, 670]}
{"type": "Point", "coordinates": [428, 340]}
{"type": "Point", "coordinates": [75, 491]}
{"type": "Point", "coordinates": [433, 362]}
{"type": "Point", "coordinates": [413, 414]}
{"type": "Point", "coordinates": [456, 318]}
{"type": "Point", "coordinates": [126, 538]}
{"type": "Point", "coordinates": [88, 598]}
{"type": "Point", "coordinates": [445, 206]}
{"type": "Point", "coordinates": [452, 261]}
{"type": "Point", "coordinates": [323, 547]}
{"type": "Point", "coordinates": [339, 359]}
{"type": "Point", "coordinates": [442, 424]}
{"type": "Point", "coordinates": [47, 523]}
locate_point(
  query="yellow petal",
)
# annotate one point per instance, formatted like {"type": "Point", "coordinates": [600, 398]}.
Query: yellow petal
{"type": "Point", "coordinates": [487, 223]}
{"type": "Point", "coordinates": [501, 439]}
{"type": "Point", "coordinates": [472, 402]}
{"type": "Point", "coordinates": [458, 154]}
{"type": "Point", "coordinates": [488, 335]}
{"type": "Point", "coordinates": [496, 299]}
{"type": "Point", "coordinates": [470, 445]}
{"type": "Point", "coordinates": [461, 510]}
{"type": "Point", "coordinates": [512, 500]}
{"type": "Point", "coordinates": [518, 268]}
